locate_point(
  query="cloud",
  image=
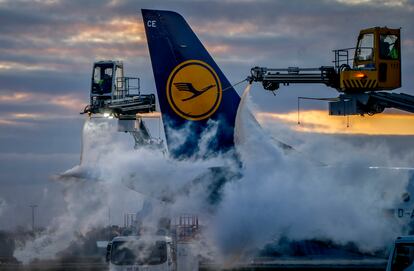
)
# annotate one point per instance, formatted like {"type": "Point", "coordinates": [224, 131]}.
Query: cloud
{"type": "Point", "coordinates": [290, 196]}
{"type": "Point", "coordinates": [277, 195]}
{"type": "Point", "coordinates": [115, 31]}
{"type": "Point", "coordinates": [36, 45]}
{"type": "Point", "coordinates": [68, 101]}
{"type": "Point", "coordinates": [14, 97]}
{"type": "Point", "coordinates": [3, 206]}
{"type": "Point", "coordinates": [25, 108]}
{"type": "Point", "coordinates": [109, 165]}
{"type": "Point", "coordinates": [388, 3]}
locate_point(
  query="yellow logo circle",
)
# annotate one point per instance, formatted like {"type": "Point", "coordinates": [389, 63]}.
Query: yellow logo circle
{"type": "Point", "coordinates": [194, 90]}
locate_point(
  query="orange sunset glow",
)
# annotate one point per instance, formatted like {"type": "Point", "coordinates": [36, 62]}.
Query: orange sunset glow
{"type": "Point", "coordinates": [115, 31]}
{"type": "Point", "coordinates": [318, 121]}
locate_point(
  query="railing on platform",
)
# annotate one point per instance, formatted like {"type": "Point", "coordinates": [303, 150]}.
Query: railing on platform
{"type": "Point", "coordinates": [126, 87]}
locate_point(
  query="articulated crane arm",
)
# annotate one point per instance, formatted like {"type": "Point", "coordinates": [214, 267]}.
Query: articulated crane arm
{"type": "Point", "coordinates": [272, 78]}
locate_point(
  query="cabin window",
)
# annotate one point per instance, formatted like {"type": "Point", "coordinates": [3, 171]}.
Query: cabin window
{"type": "Point", "coordinates": [389, 47]}
{"type": "Point", "coordinates": [97, 75]}
{"type": "Point", "coordinates": [139, 253]}
{"type": "Point", "coordinates": [365, 48]}
{"type": "Point", "coordinates": [108, 72]}
{"type": "Point", "coordinates": [101, 73]}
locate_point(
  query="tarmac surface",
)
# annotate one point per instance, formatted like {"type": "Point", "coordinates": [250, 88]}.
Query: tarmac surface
{"type": "Point", "coordinates": [55, 267]}
{"type": "Point", "coordinates": [367, 264]}
{"type": "Point", "coordinates": [310, 264]}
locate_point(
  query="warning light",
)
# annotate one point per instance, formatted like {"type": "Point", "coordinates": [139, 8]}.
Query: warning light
{"type": "Point", "coordinates": [360, 75]}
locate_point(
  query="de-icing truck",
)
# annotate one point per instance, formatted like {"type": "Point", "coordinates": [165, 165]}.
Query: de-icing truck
{"type": "Point", "coordinates": [160, 252]}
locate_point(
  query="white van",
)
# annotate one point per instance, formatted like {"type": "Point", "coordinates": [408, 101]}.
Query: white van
{"type": "Point", "coordinates": [137, 253]}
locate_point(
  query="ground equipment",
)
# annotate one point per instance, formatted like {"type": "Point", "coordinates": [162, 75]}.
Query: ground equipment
{"type": "Point", "coordinates": [376, 68]}
{"type": "Point", "coordinates": [172, 248]}
{"type": "Point", "coordinates": [402, 254]}
{"type": "Point", "coordinates": [112, 95]}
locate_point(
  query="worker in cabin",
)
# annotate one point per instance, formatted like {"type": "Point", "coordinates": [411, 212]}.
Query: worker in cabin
{"type": "Point", "coordinates": [106, 83]}
{"type": "Point", "coordinates": [394, 54]}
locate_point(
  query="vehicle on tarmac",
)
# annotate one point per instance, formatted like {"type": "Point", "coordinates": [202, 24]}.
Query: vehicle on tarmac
{"type": "Point", "coordinates": [133, 253]}
{"type": "Point", "coordinates": [402, 254]}
{"type": "Point", "coordinates": [170, 250]}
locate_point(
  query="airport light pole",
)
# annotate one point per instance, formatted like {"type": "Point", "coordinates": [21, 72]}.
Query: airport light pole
{"type": "Point", "coordinates": [34, 206]}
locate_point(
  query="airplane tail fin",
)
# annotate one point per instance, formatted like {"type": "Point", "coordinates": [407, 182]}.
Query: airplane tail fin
{"type": "Point", "coordinates": [193, 93]}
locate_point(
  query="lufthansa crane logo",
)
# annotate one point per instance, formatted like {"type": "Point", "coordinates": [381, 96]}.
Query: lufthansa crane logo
{"type": "Point", "coordinates": [194, 90]}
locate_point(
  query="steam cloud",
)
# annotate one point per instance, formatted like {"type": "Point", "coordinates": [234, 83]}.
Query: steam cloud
{"type": "Point", "coordinates": [3, 206]}
{"type": "Point", "coordinates": [280, 194]}
{"type": "Point", "coordinates": [290, 195]}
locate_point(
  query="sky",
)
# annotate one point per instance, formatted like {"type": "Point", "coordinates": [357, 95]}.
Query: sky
{"type": "Point", "coordinates": [47, 49]}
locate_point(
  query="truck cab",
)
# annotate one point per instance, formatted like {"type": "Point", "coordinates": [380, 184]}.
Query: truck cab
{"type": "Point", "coordinates": [402, 254]}
{"type": "Point", "coordinates": [376, 63]}
{"type": "Point", "coordinates": [114, 94]}
{"type": "Point", "coordinates": [136, 253]}
{"type": "Point", "coordinates": [104, 77]}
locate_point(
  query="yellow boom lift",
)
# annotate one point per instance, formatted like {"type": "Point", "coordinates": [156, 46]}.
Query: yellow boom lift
{"type": "Point", "coordinates": [363, 86]}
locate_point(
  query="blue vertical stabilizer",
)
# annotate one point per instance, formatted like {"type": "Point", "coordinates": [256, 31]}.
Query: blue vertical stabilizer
{"type": "Point", "coordinates": [194, 95]}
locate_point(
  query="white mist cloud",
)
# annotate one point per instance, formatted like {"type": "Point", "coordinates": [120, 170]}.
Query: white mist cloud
{"type": "Point", "coordinates": [3, 206]}
{"type": "Point", "coordinates": [112, 175]}
{"type": "Point", "coordinates": [288, 196]}
{"type": "Point", "coordinates": [88, 196]}
{"type": "Point", "coordinates": [278, 194]}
